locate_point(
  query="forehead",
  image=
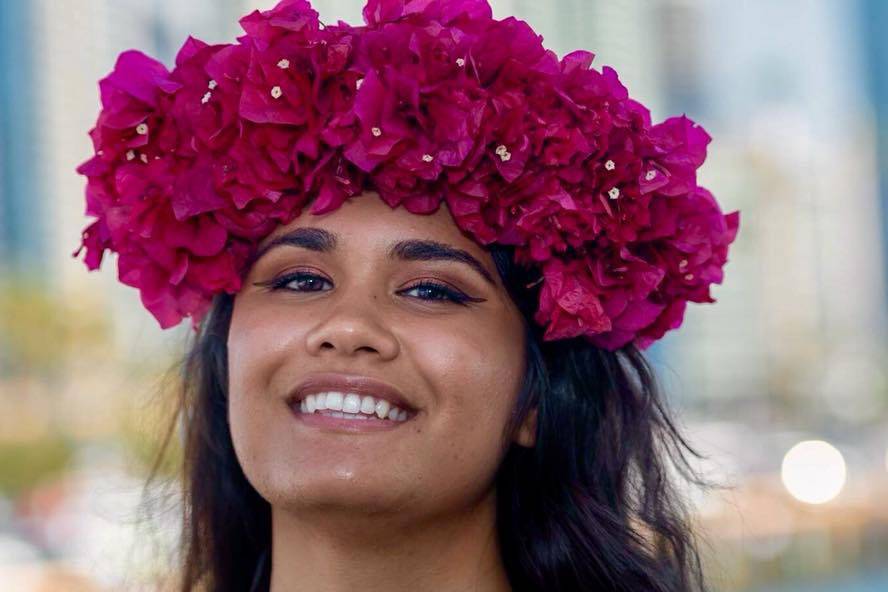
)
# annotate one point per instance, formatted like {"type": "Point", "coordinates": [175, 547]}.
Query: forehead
{"type": "Point", "coordinates": [367, 222]}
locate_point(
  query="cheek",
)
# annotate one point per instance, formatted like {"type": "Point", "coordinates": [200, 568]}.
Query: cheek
{"type": "Point", "coordinates": [258, 417]}
{"type": "Point", "coordinates": [248, 367]}
{"type": "Point", "coordinates": [476, 378]}
{"type": "Point", "coordinates": [261, 341]}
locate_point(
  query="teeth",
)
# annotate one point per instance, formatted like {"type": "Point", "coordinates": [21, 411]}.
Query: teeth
{"type": "Point", "coordinates": [348, 415]}
{"type": "Point", "coordinates": [382, 408]}
{"type": "Point", "coordinates": [334, 401]}
{"type": "Point", "coordinates": [351, 403]}
{"type": "Point", "coordinates": [352, 406]}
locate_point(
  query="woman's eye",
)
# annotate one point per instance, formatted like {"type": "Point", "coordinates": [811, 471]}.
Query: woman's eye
{"type": "Point", "coordinates": [307, 280]}
{"type": "Point", "coordinates": [425, 290]}
{"type": "Point", "coordinates": [433, 288]}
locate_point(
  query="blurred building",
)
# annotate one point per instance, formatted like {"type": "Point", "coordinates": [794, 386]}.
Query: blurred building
{"type": "Point", "coordinates": [22, 209]}
{"type": "Point", "coordinates": [873, 24]}
{"type": "Point", "coordinates": [801, 316]}
{"type": "Point", "coordinates": [73, 45]}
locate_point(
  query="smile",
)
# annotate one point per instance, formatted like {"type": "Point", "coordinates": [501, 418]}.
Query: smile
{"type": "Point", "coordinates": [349, 412]}
{"type": "Point", "coordinates": [353, 405]}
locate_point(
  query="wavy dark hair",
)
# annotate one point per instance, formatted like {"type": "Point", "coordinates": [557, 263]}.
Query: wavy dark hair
{"type": "Point", "coordinates": [592, 506]}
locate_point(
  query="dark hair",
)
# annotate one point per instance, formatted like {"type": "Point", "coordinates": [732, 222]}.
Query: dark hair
{"type": "Point", "coordinates": [592, 506]}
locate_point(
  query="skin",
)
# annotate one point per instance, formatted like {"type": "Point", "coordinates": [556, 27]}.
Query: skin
{"type": "Point", "coordinates": [406, 509]}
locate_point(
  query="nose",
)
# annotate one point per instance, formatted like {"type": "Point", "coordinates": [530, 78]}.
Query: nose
{"type": "Point", "coordinates": [351, 327]}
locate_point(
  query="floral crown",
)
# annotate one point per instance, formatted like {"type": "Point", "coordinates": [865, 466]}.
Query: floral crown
{"type": "Point", "coordinates": [429, 101]}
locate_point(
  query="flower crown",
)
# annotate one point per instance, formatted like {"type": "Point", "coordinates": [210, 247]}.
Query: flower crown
{"type": "Point", "coordinates": [429, 101]}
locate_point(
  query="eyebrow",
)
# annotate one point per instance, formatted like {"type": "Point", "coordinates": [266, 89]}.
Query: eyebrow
{"type": "Point", "coordinates": [323, 241]}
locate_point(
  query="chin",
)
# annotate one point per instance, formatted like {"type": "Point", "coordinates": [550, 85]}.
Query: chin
{"type": "Point", "coordinates": [326, 489]}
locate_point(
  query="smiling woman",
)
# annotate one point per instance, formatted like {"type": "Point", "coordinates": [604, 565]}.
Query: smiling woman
{"type": "Point", "coordinates": [379, 501]}
{"type": "Point", "coordinates": [522, 464]}
{"type": "Point", "coordinates": [421, 258]}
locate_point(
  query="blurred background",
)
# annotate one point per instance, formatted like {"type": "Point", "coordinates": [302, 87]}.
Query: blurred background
{"type": "Point", "coordinates": [783, 384]}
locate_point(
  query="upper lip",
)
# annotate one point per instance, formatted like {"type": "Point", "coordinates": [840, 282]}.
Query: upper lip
{"type": "Point", "coordinates": [348, 383]}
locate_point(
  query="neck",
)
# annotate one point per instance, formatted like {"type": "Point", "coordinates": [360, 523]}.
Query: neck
{"type": "Point", "coordinates": [320, 551]}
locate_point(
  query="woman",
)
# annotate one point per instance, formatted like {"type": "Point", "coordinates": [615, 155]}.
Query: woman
{"type": "Point", "coordinates": [380, 400]}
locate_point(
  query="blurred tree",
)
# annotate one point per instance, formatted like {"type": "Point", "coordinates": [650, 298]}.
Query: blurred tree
{"type": "Point", "coordinates": [26, 464]}
{"type": "Point", "coordinates": [39, 328]}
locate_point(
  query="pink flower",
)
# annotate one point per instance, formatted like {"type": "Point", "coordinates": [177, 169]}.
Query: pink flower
{"type": "Point", "coordinates": [429, 102]}
{"type": "Point", "coordinates": [290, 21]}
{"type": "Point", "coordinates": [378, 12]}
{"type": "Point", "coordinates": [679, 146]}
{"type": "Point", "coordinates": [568, 304]}
{"type": "Point", "coordinates": [131, 95]}
{"type": "Point", "coordinates": [205, 109]}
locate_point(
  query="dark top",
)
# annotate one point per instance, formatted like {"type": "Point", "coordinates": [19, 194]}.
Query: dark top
{"type": "Point", "coordinates": [260, 582]}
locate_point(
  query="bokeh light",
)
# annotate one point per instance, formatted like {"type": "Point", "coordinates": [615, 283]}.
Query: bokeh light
{"type": "Point", "coordinates": [814, 472]}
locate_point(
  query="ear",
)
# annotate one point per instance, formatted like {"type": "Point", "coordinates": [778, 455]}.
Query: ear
{"type": "Point", "coordinates": [526, 435]}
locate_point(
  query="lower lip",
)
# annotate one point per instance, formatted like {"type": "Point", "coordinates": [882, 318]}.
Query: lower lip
{"type": "Point", "coordinates": [372, 424]}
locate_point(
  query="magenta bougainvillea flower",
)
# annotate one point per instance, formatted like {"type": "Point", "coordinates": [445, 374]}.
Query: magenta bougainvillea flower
{"type": "Point", "coordinates": [427, 102]}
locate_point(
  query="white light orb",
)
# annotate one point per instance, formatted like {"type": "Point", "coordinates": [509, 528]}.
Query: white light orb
{"type": "Point", "coordinates": [814, 472]}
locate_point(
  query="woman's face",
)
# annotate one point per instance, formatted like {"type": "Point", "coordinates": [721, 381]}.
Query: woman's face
{"type": "Point", "coordinates": [460, 366]}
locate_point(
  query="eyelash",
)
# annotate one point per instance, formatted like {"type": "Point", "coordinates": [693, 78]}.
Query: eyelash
{"type": "Point", "coordinates": [450, 295]}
